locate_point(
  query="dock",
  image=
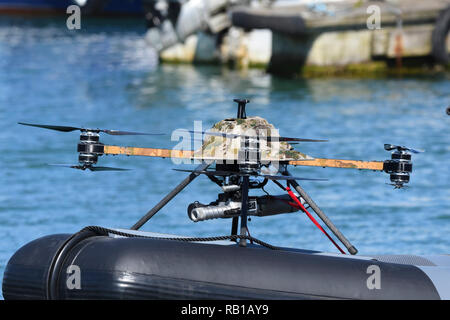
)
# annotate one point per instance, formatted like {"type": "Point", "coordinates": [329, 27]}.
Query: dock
{"type": "Point", "coordinates": [350, 36]}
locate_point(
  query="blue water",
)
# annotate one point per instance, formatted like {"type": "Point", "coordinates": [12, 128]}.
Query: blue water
{"type": "Point", "coordinates": [105, 76]}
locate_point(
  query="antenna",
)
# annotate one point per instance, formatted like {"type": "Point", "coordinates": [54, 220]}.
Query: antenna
{"type": "Point", "coordinates": [241, 108]}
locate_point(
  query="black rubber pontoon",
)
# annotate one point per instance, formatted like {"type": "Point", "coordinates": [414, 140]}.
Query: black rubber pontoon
{"type": "Point", "coordinates": [111, 266]}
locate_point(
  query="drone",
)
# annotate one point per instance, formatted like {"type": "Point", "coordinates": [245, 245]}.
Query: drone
{"type": "Point", "coordinates": [249, 162]}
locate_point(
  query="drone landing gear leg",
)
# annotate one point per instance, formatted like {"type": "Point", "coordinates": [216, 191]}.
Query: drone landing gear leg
{"type": "Point", "coordinates": [234, 226]}
{"type": "Point", "coordinates": [244, 210]}
{"type": "Point", "coordinates": [351, 249]}
{"type": "Point", "coordinates": [170, 196]}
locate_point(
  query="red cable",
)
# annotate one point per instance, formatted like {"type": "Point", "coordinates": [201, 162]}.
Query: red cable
{"type": "Point", "coordinates": [299, 204]}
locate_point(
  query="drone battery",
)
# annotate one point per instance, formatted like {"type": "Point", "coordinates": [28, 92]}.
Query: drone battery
{"type": "Point", "coordinates": [272, 205]}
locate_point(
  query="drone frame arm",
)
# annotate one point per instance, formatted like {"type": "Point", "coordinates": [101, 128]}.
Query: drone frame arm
{"type": "Point", "coordinates": [189, 154]}
{"type": "Point", "coordinates": [147, 152]}
{"type": "Point", "coordinates": [340, 163]}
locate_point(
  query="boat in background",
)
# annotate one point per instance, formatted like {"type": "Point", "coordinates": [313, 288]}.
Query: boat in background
{"type": "Point", "coordinates": [91, 7]}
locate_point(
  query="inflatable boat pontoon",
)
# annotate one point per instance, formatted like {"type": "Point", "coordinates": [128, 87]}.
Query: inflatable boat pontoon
{"type": "Point", "coordinates": [99, 263]}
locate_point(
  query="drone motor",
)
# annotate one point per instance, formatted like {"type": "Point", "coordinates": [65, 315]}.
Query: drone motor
{"type": "Point", "coordinates": [89, 148]}
{"type": "Point", "coordinates": [400, 165]}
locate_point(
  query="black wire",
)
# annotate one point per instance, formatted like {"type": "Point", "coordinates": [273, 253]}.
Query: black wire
{"type": "Point", "coordinates": [105, 232]}
{"type": "Point", "coordinates": [265, 191]}
{"type": "Point", "coordinates": [215, 180]}
{"type": "Point", "coordinates": [279, 184]}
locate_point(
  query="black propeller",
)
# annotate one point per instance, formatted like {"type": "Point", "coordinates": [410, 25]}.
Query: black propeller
{"type": "Point", "coordinates": [398, 186]}
{"type": "Point", "coordinates": [88, 167]}
{"type": "Point", "coordinates": [69, 129]}
{"type": "Point", "coordinates": [230, 173]}
{"type": "Point", "coordinates": [390, 147]}
{"type": "Point", "coordinates": [268, 138]}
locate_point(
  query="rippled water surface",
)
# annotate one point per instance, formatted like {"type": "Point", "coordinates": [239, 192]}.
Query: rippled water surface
{"type": "Point", "coordinates": [104, 76]}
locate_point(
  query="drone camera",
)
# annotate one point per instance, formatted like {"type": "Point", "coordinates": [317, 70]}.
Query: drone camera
{"type": "Point", "coordinates": [260, 206]}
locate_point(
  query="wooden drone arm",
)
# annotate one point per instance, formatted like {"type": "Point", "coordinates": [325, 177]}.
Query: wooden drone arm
{"type": "Point", "coordinates": [340, 163]}
{"type": "Point", "coordinates": [147, 152]}
{"type": "Point", "coordinates": [188, 154]}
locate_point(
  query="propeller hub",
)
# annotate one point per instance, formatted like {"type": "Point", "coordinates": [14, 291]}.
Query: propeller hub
{"type": "Point", "coordinates": [89, 136]}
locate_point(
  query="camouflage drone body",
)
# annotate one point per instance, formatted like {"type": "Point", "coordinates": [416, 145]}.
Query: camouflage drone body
{"type": "Point", "coordinates": [224, 148]}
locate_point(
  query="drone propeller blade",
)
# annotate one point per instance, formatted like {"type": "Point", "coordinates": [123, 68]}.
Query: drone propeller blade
{"type": "Point", "coordinates": [228, 173]}
{"type": "Point", "coordinates": [64, 165]}
{"type": "Point", "coordinates": [390, 147]}
{"type": "Point", "coordinates": [283, 139]}
{"type": "Point", "coordinates": [69, 129]}
{"type": "Point", "coordinates": [271, 177]}
{"type": "Point", "coordinates": [57, 128]}
{"type": "Point", "coordinates": [268, 138]}
{"type": "Point", "coordinates": [209, 173]}
{"type": "Point", "coordinates": [398, 186]}
{"type": "Point", "coordinates": [92, 168]}
{"type": "Point", "coordinates": [415, 150]}
{"type": "Point", "coordinates": [107, 169]}
{"type": "Point", "coordinates": [129, 133]}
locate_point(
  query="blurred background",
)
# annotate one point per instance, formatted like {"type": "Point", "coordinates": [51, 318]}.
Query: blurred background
{"type": "Point", "coordinates": [338, 70]}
